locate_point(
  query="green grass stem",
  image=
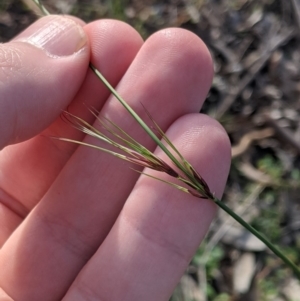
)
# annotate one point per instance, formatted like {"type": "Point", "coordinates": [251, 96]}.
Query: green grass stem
{"type": "Point", "coordinates": [184, 166]}
{"type": "Point", "coordinates": [260, 236]}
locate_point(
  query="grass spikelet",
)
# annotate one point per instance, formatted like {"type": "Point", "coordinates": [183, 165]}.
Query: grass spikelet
{"type": "Point", "coordinates": [136, 153]}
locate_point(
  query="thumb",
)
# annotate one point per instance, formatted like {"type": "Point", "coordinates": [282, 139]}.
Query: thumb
{"type": "Point", "coordinates": [41, 70]}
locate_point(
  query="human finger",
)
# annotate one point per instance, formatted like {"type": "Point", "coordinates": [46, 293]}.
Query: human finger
{"type": "Point", "coordinates": [171, 76]}
{"type": "Point", "coordinates": [41, 71]}
{"type": "Point", "coordinates": [159, 228]}
{"type": "Point", "coordinates": [31, 167]}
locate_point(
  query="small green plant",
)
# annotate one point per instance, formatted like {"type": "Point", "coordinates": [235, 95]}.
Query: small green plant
{"type": "Point", "coordinates": [271, 167]}
{"type": "Point", "coordinates": [117, 9]}
{"type": "Point", "coordinates": [212, 261]}
{"type": "Point", "coordinates": [269, 217]}
{"type": "Point", "coordinates": [191, 180]}
{"type": "Point", "coordinates": [211, 264]}
{"type": "Point", "coordinates": [269, 289]}
{"type": "Point", "coordinates": [222, 297]}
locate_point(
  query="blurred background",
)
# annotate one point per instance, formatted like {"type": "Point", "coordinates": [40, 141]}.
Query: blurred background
{"type": "Point", "coordinates": [255, 45]}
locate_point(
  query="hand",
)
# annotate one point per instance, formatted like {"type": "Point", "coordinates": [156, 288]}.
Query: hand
{"type": "Point", "coordinates": [77, 224]}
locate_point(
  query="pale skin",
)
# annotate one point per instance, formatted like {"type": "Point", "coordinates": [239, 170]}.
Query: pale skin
{"type": "Point", "coordinates": [77, 224]}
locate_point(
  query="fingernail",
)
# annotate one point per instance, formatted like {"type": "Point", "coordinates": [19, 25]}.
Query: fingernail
{"type": "Point", "coordinates": [58, 36]}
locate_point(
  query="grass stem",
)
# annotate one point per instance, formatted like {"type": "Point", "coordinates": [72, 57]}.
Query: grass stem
{"type": "Point", "coordinates": [260, 236]}
{"type": "Point", "coordinates": [196, 180]}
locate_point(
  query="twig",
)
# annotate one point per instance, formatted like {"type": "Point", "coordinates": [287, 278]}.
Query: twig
{"type": "Point", "coordinates": [248, 78]}
{"type": "Point", "coordinates": [247, 140]}
{"type": "Point", "coordinates": [296, 11]}
{"type": "Point", "coordinates": [283, 134]}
